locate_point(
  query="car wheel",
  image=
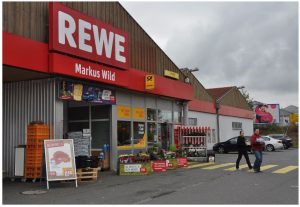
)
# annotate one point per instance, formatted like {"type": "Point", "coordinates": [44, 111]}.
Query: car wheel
{"type": "Point", "coordinates": [270, 148]}
{"type": "Point", "coordinates": [221, 150]}
{"type": "Point", "coordinates": [284, 146]}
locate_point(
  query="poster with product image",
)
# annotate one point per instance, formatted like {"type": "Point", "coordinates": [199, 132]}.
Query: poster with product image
{"type": "Point", "coordinates": [60, 160]}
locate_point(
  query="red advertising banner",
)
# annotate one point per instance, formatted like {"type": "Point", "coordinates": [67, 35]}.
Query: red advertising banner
{"type": "Point", "coordinates": [75, 33]}
{"type": "Point", "coordinates": [159, 166]}
{"type": "Point", "coordinates": [182, 162]}
{"type": "Point", "coordinates": [74, 67]}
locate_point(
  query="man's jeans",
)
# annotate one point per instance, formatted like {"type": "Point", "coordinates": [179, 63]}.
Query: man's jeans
{"type": "Point", "coordinates": [258, 160]}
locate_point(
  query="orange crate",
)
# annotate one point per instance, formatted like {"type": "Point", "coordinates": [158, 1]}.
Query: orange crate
{"type": "Point", "coordinates": [33, 156]}
{"type": "Point", "coordinates": [33, 152]}
{"type": "Point", "coordinates": [37, 136]}
{"type": "Point", "coordinates": [33, 169]}
{"type": "Point", "coordinates": [33, 175]}
{"type": "Point", "coordinates": [34, 146]}
{"type": "Point", "coordinates": [33, 164]}
{"type": "Point", "coordinates": [38, 129]}
{"type": "Point", "coordinates": [32, 141]}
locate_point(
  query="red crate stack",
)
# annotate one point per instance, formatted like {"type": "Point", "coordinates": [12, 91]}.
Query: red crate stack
{"type": "Point", "coordinates": [36, 134]}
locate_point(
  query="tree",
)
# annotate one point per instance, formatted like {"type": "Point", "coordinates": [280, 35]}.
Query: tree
{"type": "Point", "coordinates": [248, 98]}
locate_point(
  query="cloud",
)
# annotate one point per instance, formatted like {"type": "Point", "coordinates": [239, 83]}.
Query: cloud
{"type": "Point", "coordinates": [254, 44]}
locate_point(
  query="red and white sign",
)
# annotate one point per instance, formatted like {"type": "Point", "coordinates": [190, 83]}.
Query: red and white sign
{"type": "Point", "coordinates": [159, 166]}
{"type": "Point", "coordinates": [182, 162]}
{"type": "Point", "coordinates": [74, 33]}
{"type": "Point", "coordinates": [64, 65]}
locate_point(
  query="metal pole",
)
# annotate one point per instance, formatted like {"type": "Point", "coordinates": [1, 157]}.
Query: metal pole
{"type": "Point", "coordinates": [218, 125]}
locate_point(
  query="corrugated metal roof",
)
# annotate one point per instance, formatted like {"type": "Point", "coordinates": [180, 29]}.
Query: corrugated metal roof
{"type": "Point", "coordinates": [218, 92]}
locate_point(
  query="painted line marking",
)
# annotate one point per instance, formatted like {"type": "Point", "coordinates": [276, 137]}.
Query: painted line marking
{"type": "Point", "coordinates": [286, 169]}
{"type": "Point", "coordinates": [200, 165]}
{"type": "Point", "coordinates": [234, 169]}
{"type": "Point", "coordinates": [218, 166]}
{"type": "Point", "coordinates": [265, 167]}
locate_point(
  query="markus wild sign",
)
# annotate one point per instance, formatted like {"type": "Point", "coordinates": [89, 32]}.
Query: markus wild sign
{"type": "Point", "coordinates": [83, 36]}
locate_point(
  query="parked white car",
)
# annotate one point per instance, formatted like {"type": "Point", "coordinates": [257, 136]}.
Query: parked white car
{"type": "Point", "coordinates": [272, 144]}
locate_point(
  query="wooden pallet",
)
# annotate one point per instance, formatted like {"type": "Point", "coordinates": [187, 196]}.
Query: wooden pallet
{"type": "Point", "coordinates": [87, 174]}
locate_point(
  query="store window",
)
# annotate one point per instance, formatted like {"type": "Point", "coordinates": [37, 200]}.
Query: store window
{"type": "Point", "coordinates": [124, 128]}
{"type": "Point", "coordinates": [151, 133]}
{"type": "Point", "coordinates": [166, 116]}
{"type": "Point", "coordinates": [236, 125]}
{"type": "Point", "coordinates": [193, 121]}
{"type": "Point", "coordinates": [177, 117]}
{"type": "Point", "coordinates": [151, 114]}
{"type": "Point", "coordinates": [138, 132]}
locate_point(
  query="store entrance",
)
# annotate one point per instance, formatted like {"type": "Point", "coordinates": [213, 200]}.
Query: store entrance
{"type": "Point", "coordinates": [91, 116]}
{"type": "Point", "coordinates": [165, 133]}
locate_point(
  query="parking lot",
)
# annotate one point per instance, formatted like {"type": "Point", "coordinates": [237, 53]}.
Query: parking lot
{"type": "Point", "coordinates": [214, 183]}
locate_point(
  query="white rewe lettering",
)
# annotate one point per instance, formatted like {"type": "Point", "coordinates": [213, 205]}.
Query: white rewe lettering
{"type": "Point", "coordinates": [119, 48]}
{"type": "Point", "coordinates": [66, 32]}
{"type": "Point", "coordinates": [99, 42]}
{"type": "Point", "coordinates": [102, 43]}
{"type": "Point", "coordinates": [83, 25]}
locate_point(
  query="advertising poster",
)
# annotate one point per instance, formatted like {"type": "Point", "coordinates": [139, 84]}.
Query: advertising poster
{"type": "Point", "coordinates": [80, 92]}
{"type": "Point", "coordinates": [139, 113]}
{"type": "Point", "coordinates": [139, 136]}
{"type": "Point", "coordinates": [66, 90]}
{"type": "Point", "coordinates": [266, 113]}
{"type": "Point", "coordinates": [60, 159]}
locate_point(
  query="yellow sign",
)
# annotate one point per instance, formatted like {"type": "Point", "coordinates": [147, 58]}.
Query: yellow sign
{"type": "Point", "coordinates": [124, 112]}
{"type": "Point", "coordinates": [293, 118]}
{"type": "Point", "coordinates": [149, 82]}
{"type": "Point", "coordinates": [171, 74]}
{"type": "Point", "coordinates": [139, 113]}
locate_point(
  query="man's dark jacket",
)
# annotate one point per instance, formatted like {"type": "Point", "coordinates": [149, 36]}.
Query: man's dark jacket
{"type": "Point", "coordinates": [241, 144]}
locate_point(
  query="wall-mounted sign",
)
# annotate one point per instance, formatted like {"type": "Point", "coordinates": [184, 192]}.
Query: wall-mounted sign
{"type": "Point", "coordinates": [80, 92]}
{"type": "Point", "coordinates": [293, 118]}
{"type": "Point", "coordinates": [124, 112]}
{"type": "Point", "coordinates": [139, 113]}
{"type": "Point", "coordinates": [60, 160]}
{"type": "Point", "coordinates": [75, 33]}
{"type": "Point", "coordinates": [171, 74]}
{"type": "Point", "coordinates": [149, 82]}
{"type": "Point", "coordinates": [61, 64]}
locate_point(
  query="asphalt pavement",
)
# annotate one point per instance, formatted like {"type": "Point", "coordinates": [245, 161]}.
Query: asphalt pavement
{"type": "Point", "coordinates": [215, 183]}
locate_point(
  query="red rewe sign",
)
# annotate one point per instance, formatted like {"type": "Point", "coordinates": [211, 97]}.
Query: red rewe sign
{"type": "Point", "coordinates": [74, 67]}
{"type": "Point", "coordinates": [75, 33]}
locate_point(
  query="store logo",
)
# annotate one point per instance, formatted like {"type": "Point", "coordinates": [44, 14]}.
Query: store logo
{"type": "Point", "coordinates": [75, 33]}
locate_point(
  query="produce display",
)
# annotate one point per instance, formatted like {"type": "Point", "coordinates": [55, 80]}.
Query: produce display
{"type": "Point", "coordinates": [154, 160]}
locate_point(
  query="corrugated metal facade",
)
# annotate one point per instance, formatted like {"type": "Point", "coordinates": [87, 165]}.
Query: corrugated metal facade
{"type": "Point", "coordinates": [24, 102]}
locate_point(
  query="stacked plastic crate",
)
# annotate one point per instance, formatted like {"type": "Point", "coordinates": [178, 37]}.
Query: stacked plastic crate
{"type": "Point", "coordinates": [36, 134]}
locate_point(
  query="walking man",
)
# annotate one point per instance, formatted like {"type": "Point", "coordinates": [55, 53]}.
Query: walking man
{"type": "Point", "coordinates": [257, 148]}
{"type": "Point", "coordinates": [242, 149]}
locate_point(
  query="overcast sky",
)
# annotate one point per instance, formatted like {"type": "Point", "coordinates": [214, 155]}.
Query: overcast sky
{"type": "Point", "coordinates": [232, 43]}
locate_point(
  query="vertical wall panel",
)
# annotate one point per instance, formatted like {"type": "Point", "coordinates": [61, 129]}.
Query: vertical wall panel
{"type": "Point", "coordinates": [24, 102]}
